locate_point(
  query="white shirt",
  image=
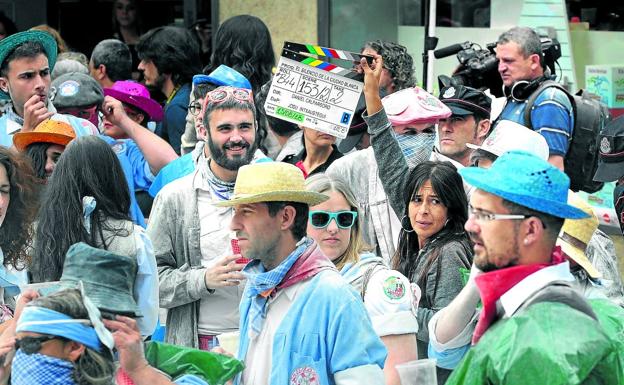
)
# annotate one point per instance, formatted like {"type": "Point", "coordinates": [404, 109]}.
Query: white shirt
{"type": "Point", "coordinates": [260, 351]}
{"type": "Point", "coordinates": [218, 312]}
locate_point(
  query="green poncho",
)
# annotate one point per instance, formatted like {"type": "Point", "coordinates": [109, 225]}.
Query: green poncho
{"type": "Point", "coordinates": [547, 344]}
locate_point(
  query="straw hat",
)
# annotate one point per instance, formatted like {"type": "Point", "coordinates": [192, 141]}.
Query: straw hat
{"type": "Point", "coordinates": [271, 182]}
{"type": "Point", "coordinates": [576, 233]}
{"type": "Point", "coordinates": [48, 131]}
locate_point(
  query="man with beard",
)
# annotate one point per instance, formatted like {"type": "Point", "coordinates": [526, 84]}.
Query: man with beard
{"type": "Point", "coordinates": [530, 308]}
{"type": "Point", "coordinates": [198, 269]}
{"type": "Point", "coordinates": [26, 61]}
{"type": "Point", "coordinates": [169, 59]}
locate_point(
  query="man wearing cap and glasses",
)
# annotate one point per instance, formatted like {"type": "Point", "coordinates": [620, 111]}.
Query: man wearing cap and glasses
{"type": "Point", "coordinates": [469, 123]}
{"type": "Point", "coordinates": [524, 284]}
{"type": "Point", "coordinates": [198, 273]}
{"type": "Point", "coordinates": [300, 322]}
{"type": "Point", "coordinates": [26, 60]}
{"type": "Point", "coordinates": [611, 163]}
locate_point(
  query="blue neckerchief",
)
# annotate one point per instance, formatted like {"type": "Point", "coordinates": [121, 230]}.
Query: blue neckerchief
{"type": "Point", "coordinates": [259, 281]}
{"type": "Point", "coordinates": [39, 369]}
{"type": "Point", "coordinates": [415, 148]}
{"type": "Point", "coordinates": [222, 190]}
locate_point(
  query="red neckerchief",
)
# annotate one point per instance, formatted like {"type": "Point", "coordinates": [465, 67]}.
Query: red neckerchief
{"type": "Point", "coordinates": [300, 165]}
{"type": "Point", "coordinates": [310, 263]}
{"type": "Point", "coordinates": [492, 285]}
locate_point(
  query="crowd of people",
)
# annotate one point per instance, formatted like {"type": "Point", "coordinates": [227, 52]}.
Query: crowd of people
{"type": "Point", "coordinates": [433, 230]}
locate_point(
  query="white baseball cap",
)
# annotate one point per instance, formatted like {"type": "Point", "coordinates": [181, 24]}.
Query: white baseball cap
{"type": "Point", "coordinates": [508, 136]}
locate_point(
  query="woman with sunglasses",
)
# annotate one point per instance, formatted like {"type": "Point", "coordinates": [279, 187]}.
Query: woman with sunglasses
{"type": "Point", "coordinates": [387, 294]}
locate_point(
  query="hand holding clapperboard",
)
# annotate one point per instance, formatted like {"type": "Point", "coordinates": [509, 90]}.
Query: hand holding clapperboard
{"type": "Point", "coordinates": [309, 91]}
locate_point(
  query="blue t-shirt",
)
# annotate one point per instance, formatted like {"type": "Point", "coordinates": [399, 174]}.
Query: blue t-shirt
{"type": "Point", "coordinates": [173, 125]}
{"type": "Point", "coordinates": [552, 117]}
{"type": "Point", "coordinates": [137, 172]}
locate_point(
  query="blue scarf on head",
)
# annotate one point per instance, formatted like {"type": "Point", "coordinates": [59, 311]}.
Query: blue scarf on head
{"type": "Point", "coordinates": [260, 283]}
{"type": "Point", "coordinates": [39, 369]}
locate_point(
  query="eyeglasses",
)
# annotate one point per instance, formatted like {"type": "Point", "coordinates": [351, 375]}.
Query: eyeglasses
{"type": "Point", "coordinates": [32, 345]}
{"type": "Point", "coordinates": [195, 108]}
{"type": "Point", "coordinates": [83, 113]}
{"type": "Point", "coordinates": [344, 219]}
{"type": "Point", "coordinates": [222, 94]}
{"type": "Point", "coordinates": [485, 216]}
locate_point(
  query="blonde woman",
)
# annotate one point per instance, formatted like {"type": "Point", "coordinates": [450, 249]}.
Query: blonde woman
{"type": "Point", "coordinates": [387, 294]}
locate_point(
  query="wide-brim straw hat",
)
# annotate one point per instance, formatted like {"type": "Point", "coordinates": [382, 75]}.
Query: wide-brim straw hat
{"type": "Point", "coordinates": [271, 182]}
{"type": "Point", "coordinates": [576, 234]}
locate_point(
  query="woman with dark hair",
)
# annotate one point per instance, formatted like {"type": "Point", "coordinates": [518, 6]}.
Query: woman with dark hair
{"type": "Point", "coordinates": [127, 28]}
{"type": "Point", "coordinates": [87, 201]}
{"type": "Point", "coordinates": [319, 152]}
{"type": "Point", "coordinates": [243, 43]}
{"type": "Point", "coordinates": [430, 201]}
{"type": "Point", "coordinates": [18, 206]}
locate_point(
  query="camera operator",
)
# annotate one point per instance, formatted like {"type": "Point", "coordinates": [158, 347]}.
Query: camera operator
{"type": "Point", "coordinates": [521, 66]}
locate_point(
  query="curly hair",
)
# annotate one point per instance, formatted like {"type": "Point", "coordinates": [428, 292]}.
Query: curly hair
{"type": "Point", "coordinates": [243, 43]}
{"type": "Point", "coordinates": [397, 61]}
{"type": "Point", "coordinates": [16, 232]}
{"type": "Point", "coordinates": [173, 51]}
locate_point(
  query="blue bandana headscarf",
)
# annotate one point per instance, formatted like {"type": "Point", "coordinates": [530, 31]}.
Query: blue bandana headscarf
{"type": "Point", "coordinates": [39, 369]}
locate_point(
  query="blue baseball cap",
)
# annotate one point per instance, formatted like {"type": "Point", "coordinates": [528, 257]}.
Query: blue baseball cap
{"type": "Point", "coordinates": [527, 180]}
{"type": "Point", "coordinates": [223, 76]}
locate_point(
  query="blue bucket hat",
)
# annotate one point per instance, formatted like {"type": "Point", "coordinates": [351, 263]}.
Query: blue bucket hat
{"type": "Point", "coordinates": [8, 44]}
{"type": "Point", "coordinates": [223, 76]}
{"type": "Point", "coordinates": [523, 178]}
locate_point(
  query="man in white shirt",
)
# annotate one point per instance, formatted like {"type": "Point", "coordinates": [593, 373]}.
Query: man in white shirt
{"type": "Point", "coordinates": [300, 321]}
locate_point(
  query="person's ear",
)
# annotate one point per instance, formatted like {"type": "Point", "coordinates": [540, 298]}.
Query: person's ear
{"type": "Point", "coordinates": [140, 118]}
{"type": "Point", "coordinates": [532, 230]}
{"type": "Point", "coordinates": [73, 350]}
{"type": "Point", "coordinates": [4, 84]}
{"type": "Point", "coordinates": [101, 72]}
{"type": "Point", "coordinates": [535, 62]}
{"type": "Point", "coordinates": [287, 217]}
{"type": "Point", "coordinates": [483, 128]}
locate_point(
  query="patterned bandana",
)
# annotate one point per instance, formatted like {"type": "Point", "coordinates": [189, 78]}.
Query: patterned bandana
{"type": "Point", "coordinates": [260, 284]}
{"type": "Point", "coordinates": [39, 369]}
{"type": "Point", "coordinates": [416, 148]}
{"type": "Point", "coordinates": [222, 190]}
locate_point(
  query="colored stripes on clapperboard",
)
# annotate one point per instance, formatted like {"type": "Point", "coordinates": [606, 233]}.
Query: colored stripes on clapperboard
{"type": "Point", "coordinates": [300, 52]}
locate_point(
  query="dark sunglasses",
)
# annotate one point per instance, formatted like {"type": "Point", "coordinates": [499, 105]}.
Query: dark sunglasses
{"type": "Point", "coordinates": [31, 345]}
{"type": "Point", "coordinates": [344, 219]}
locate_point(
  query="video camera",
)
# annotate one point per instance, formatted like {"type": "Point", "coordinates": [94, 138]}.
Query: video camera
{"type": "Point", "coordinates": [478, 67]}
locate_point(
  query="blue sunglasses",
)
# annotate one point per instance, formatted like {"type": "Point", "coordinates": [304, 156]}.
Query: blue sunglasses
{"type": "Point", "coordinates": [320, 219]}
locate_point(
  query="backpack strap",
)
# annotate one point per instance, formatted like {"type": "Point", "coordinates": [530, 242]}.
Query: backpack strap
{"type": "Point", "coordinates": [531, 100]}
{"type": "Point", "coordinates": [368, 274]}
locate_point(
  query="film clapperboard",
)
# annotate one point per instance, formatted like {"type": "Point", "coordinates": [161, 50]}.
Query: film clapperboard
{"type": "Point", "coordinates": [310, 91]}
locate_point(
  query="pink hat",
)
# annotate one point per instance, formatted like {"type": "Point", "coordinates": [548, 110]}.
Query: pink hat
{"type": "Point", "coordinates": [135, 94]}
{"type": "Point", "coordinates": [414, 105]}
